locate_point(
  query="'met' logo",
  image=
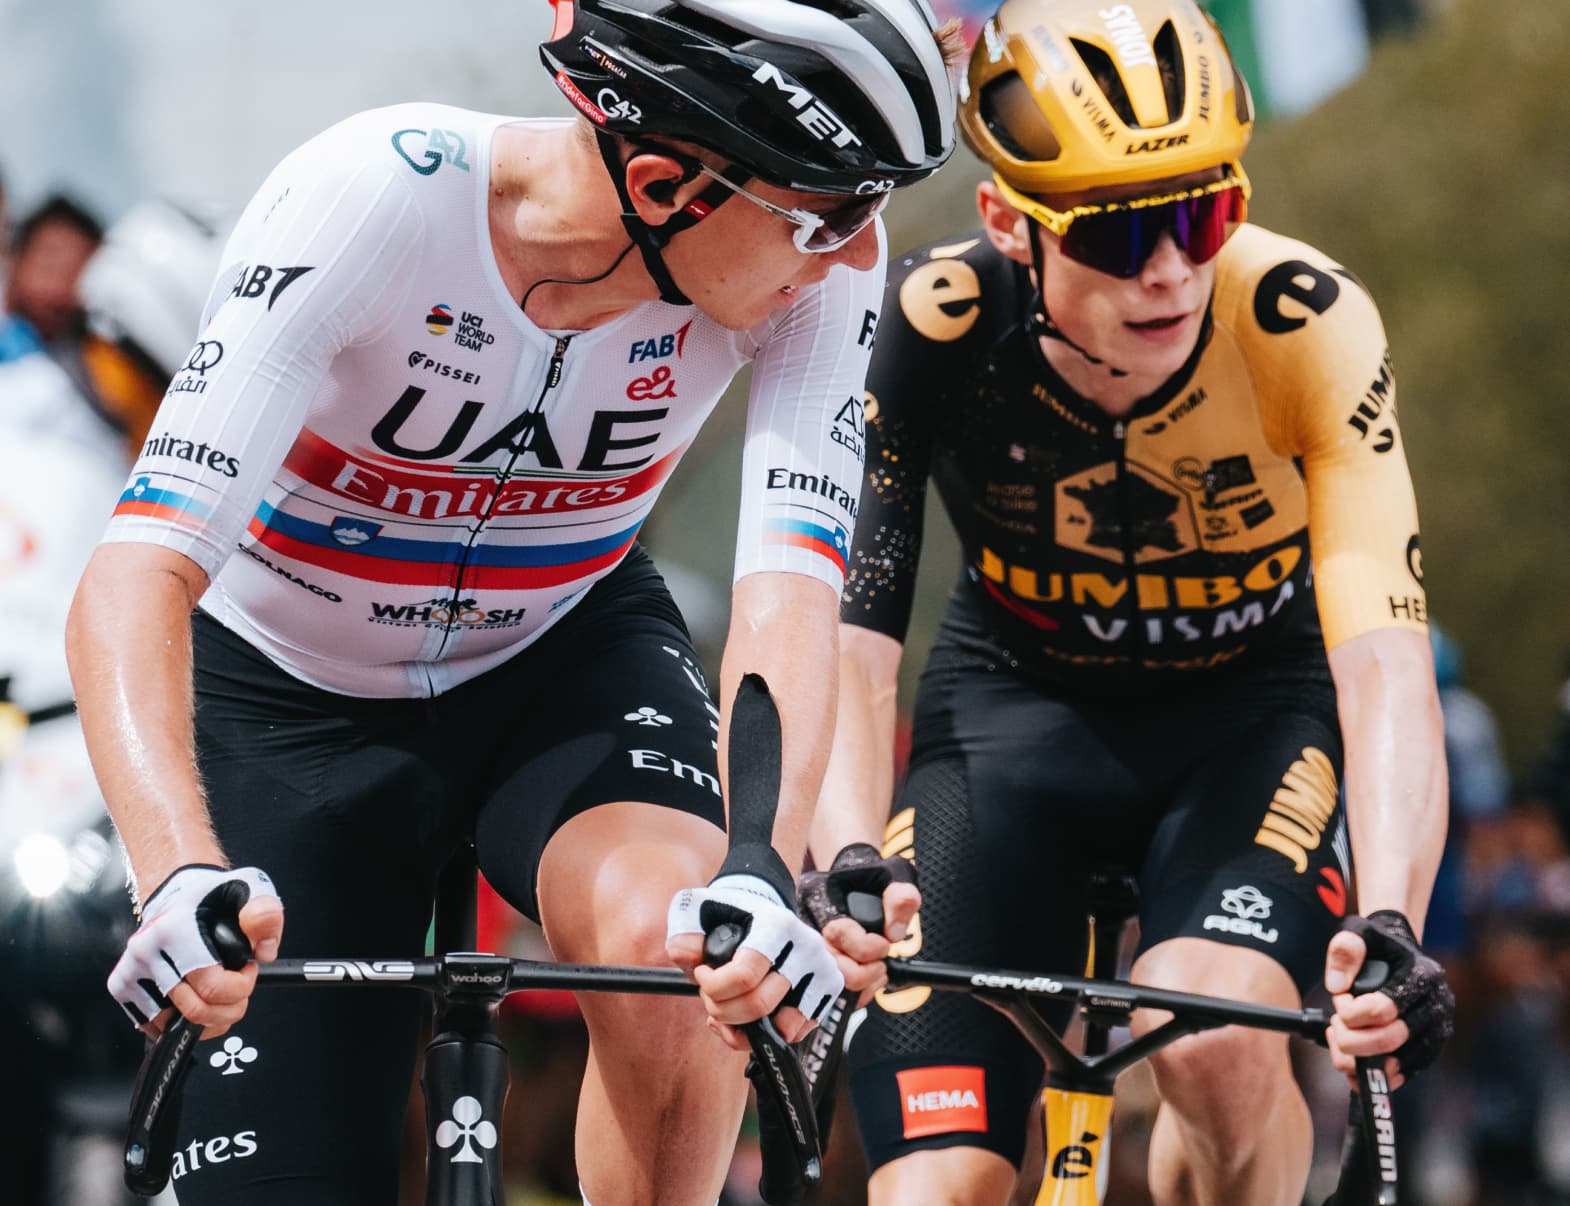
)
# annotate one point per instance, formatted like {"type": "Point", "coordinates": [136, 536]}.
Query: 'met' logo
{"type": "Point", "coordinates": [822, 121]}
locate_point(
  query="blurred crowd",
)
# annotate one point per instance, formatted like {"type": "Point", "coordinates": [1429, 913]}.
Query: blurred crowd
{"type": "Point", "coordinates": [77, 393]}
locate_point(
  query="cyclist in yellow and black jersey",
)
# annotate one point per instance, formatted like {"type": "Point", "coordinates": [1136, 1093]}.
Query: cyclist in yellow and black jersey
{"type": "Point", "coordinates": [1168, 443]}
{"type": "Point", "coordinates": [1172, 537]}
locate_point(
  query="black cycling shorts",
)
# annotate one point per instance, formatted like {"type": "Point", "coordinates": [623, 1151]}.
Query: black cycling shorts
{"type": "Point", "coordinates": [1220, 798]}
{"type": "Point", "coordinates": [352, 806]}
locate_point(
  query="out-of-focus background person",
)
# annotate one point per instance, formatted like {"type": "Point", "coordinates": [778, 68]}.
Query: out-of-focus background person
{"type": "Point", "coordinates": [65, 446]}
{"type": "Point", "coordinates": [41, 305]}
{"type": "Point", "coordinates": [1421, 140]}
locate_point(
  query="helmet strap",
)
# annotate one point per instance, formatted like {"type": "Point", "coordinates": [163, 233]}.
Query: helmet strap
{"type": "Point", "coordinates": [1040, 323]}
{"type": "Point", "coordinates": [651, 239]}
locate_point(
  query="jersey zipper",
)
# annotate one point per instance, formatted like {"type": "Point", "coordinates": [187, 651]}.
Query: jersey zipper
{"type": "Point", "coordinates": [1125, 523]}
{"type": "Point", "coordinates": [552, 380]}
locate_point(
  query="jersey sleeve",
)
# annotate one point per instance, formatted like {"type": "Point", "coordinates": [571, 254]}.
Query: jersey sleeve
{"type": "Point", "coordinates": [931, 303]}
{"type": "Point", "coordinates": [803, 448]}
{"type": "Point", "coordinates": [1325, 368]}
{"type": "Point", "coordinates": [313, 265]}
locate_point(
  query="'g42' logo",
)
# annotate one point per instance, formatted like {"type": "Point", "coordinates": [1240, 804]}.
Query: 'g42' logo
{"type": "Point", "coordinates": [441, 146]}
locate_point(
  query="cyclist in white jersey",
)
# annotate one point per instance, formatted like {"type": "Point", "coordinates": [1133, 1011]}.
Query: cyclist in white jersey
{"type": "Point", "coordinates": [433, 399]}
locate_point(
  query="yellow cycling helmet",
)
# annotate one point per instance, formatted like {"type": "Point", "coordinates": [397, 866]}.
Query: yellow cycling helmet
{"type": "Point", "coordinates": [1066, 95]}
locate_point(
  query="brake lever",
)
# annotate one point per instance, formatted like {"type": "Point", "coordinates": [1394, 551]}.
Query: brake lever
{"type": "Point", "coordinates": [787, 1126]}
{"type": "Point", "coordinates": [160, 1082]}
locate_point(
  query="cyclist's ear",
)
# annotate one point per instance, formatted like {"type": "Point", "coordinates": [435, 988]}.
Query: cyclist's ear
{"type": "Point", "coordinates": [656, 177]}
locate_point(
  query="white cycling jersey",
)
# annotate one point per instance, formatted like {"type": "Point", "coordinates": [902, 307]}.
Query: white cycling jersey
{"type": "Point", "coordinates": [417, 479]}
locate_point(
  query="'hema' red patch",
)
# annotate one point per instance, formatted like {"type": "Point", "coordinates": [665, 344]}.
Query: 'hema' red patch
{"type": "Point", "coordinates": [936, 1101]}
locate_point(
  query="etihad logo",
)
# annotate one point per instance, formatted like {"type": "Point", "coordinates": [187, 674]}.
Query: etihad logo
{"type": "Point", "coordinates": [1300, 811]}
{"type": "Point", "coordinates": [937, 1101]}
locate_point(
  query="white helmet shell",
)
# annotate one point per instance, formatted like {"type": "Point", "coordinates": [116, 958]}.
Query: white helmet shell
{"type": "Point", "coordinates": [149, 281]}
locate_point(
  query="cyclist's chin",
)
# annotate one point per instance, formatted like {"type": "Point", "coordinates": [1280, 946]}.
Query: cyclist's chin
{"type": "Point", "coordinates": [737, 313]}
{"type": "Point", "coordinates": [1156, 350]}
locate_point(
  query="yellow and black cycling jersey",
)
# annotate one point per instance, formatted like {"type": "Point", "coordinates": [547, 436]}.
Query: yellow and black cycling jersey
{"type": "Point", "coordinates": [1194, 532]}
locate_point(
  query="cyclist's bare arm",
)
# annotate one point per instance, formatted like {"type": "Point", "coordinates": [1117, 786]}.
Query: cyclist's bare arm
{"type": "Point", "coordinates": [782, 629]}
{"type": "Point", "coordinates": [1396, 782]}
{"type": "Point", "coordinates": [858, 785]}
{"type": "Point", "coordinates": [859, 782]}
{"type": "Point", "coordinates": [128, 642]}
{"type": "Point", "coordinates": [1397, 791]}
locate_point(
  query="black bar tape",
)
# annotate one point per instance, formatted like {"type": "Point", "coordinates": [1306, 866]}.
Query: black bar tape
{"type": "Point", "coordinates": [755, 761]}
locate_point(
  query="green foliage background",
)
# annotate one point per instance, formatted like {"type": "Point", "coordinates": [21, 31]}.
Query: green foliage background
{"type": "Point", "coordinates": [1442, 178]}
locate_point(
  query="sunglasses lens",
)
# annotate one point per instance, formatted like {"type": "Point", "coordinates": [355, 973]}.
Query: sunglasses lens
{"type": "Point", "coordinates": [843, 224]}
{"type": "Point", "coordinates": [1119, 242]}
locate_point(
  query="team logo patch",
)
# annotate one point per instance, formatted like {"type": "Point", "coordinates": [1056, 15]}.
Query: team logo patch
{"type": "Point", "coordinates": [439, 320]}
{"type": "Point", "coordinates": [938, 1101]}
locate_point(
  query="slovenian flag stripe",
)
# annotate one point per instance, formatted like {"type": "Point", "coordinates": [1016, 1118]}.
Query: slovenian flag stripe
{"type": "Point", "coordinates": [433, 562]}
{"type": "Point", "coordinates": [142, 499]}
{"type": "Point", "coordinates": [803, 534]}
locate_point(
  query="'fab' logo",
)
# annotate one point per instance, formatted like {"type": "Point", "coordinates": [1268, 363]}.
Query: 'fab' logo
{"type": "Point", "coordinates": [672, 344]}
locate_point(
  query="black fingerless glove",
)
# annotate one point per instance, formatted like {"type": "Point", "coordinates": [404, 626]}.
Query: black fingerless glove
{"type": "Point", "coordinates": [823, 895]}
{"type": "Point", "coordinates": [1416, 984]}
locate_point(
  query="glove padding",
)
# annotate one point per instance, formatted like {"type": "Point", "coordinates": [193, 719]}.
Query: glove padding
{"type": "Point", "coordinates": [792, 947]}
{"type": "Point", "coordinates": [857, 868]}
{"type": "Point", "coordinates": [1416, 984]}
{"type": "Point", "coordinates": [175, 937]}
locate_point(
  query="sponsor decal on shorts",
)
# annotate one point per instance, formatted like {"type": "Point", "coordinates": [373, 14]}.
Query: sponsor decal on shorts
{"type": "Point", "coordinates": [220, 1149]}
{"type": "Point", "coordinates": [939, 1101]}
{"type": "Point", "coordinates": [1248, 907]}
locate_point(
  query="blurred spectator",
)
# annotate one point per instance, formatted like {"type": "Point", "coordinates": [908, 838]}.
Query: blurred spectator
{"type": "Point", "coordinates": [41, 305]}
{"type": "Point", "coordinates": [1549, 782]}
{"type": "Point", "coordinates": [5, 234]}
{"type": "Point", "coordinates": [1392, 16]}
{"type": "Point", "coordinates": [62, 464]}
{"type": "Point", "coordinates": [1479, 789]}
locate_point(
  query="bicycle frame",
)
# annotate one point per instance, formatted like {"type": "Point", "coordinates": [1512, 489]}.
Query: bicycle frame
{"type": "Point", "coordinates": [466, 1071]}
{"type": "Point", "coordinates": [1078, 1095]}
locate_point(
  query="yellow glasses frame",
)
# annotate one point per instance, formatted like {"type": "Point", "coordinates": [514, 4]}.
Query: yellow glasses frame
{"type": "Point", "coordinates": [1058, 222]}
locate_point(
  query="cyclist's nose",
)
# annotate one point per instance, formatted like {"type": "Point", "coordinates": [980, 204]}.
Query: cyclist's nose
{"type": "Point", "coordinates": [859, 252]}
{"type": "Point", "coordinates": [1168, 264]}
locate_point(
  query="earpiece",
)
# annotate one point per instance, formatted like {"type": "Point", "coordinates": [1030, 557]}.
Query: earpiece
{"type": "Point", "coordinates": [661, 191]}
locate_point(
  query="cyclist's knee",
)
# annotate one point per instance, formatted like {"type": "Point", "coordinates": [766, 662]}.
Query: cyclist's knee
{"type": "Point", "coordinates": [608, 875]}
{"type": "Point", "coordinates": [1227, 1077]}
{"type": "Point", "coordinates": [949, 1176]}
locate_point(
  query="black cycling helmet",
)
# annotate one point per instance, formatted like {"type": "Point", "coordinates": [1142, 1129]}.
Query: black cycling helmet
{"type": "Point", "coordinates": [829, 96]}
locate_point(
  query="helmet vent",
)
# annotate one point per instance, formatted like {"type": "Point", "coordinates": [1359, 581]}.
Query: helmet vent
{"type": "Point", "coordinates": [1013, 118]}
{"type": "Point", "coordinates": [1169, 53]}
{"type": "Point", "coordinates": [1104, 71]}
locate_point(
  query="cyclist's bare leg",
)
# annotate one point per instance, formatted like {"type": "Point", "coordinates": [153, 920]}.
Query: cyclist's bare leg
{"type": "Point", "coordinates": [662, 1098]}
{"type": "Point", "coordinates": [1233, 1126]}
{"type": "Point", "coordinates": [949, 1176]}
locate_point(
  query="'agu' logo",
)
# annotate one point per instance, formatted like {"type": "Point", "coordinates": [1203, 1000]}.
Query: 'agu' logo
{"type": "Point", "coordinates": [439, 320]}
